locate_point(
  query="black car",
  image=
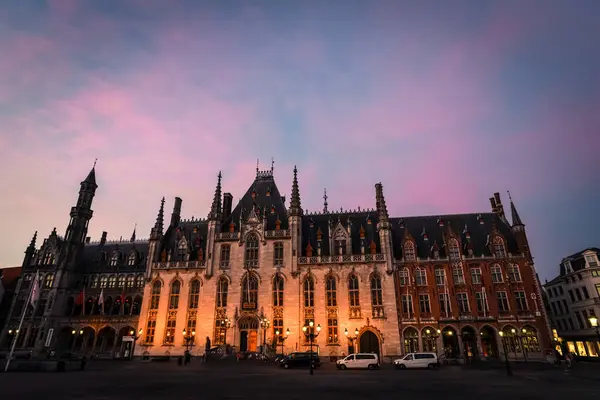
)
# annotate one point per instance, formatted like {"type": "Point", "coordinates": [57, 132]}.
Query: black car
{"type": "Point", "coordinates": [300, 360]}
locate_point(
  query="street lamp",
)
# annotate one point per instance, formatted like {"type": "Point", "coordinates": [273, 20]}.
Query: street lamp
{"type": "Point", "coordinates": [282, 338]}
{"type": "Point", "coordinates": [522, 341]}
{"type": "Point", "coordinates": [188, 337]}
{"type": "Point", "coordinates": [508, 370]}
{"type": "Point", "coordinates": [309, 332]}
{"type": "Point", "coordinates": [351, 339]}
{"type": "Point", "coordinates": [135, 339]}
{"type": "Point", "coordinates": [594, 322]}
{"type": "Point", "coordinates": [225, 325]}
{"type": "Point", "coordinates": [264, 324]}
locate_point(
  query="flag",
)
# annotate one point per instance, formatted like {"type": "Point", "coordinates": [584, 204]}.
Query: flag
{"type": "Point", "coordinates": [80, 298]}
{"type": "Point", "coordinates": [101, 297]}
{"type": "Point", "coordinates": [35, 291]}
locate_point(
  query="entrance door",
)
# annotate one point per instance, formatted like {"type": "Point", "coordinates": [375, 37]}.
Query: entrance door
{"type": "Point", "coordinates": [244, 341]}
{"type": "Point", "coordinates": [252, 340]}
{"type": "Point", "coordinates": [369, 343]}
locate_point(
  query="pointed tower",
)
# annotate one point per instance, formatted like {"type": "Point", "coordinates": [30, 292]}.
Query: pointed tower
{"type": "Point", "coordinates": [325, 211]}
{"type": "Point", "coordinates": [156, 234]}
{"type": "Point", "coordinates": [132, 240]}
{"type": "Point", "coordinates": [518, 229]}
{"type": "Point", "coordinates": [295, 221]}
{"type": "Point", "coordinates": [30, 251]}
{"type": "Point", "coordinates": [383, 226]}
{"type": "Point", "coordinates": [81, 214]}
{"type": "Point", "coordinates": [214, 224]}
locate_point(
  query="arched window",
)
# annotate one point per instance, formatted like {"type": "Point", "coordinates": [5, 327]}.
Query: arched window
{"type": "Point", "coordinates": [155, 296]}
{"type": "Point", "coordinates": [530, 340]}
{"type": "Point", "coordinates": [453, 250]}
{"type": "Point", "coordinates": [331, 291]}
{"type": "Point", "coordinates": [103, 281]}
{"type": "Point", "coordinates": [49, 280]}
{"type": "Point", "coordinates": [376, 291]}
{"type": "Point", "coordinates": [278, 291]}
{"type": "Point", "coordinates": [411, 340]}
{"type": "Point", "coordinates": [499, 249]}
{"type": "Point", "coordinates": [353, 293]}
{"type": "Point", "coordinates": [278, 254]}
{"type": "Point", "coordinates": [251, 254]}
{"type": "Point", "coordinates": [194, 294]}
{"type": "Point", "coordinates": [404, 277]}
{"type": "Point", "coordinates": [132, 258]}
{"type": "Point", "coordinates": [250, 292]}
{"type": "Point", "coordinates": [112, 281]}
{"type": "Point", "coordinates": [496, 272]}
{"type": "Point", "coordinates": [174, 296]}
{"type": "Point", "coordinates": [140, 280]}
{"type": "Point", "coordinates": [121, 281]}
{"type": "Point", "coordinates": [114, 259]}
{"type": "Point", "coordinates": [409, 251]}
{"type": "Point", "coordinates": [130, 281]}
{"type": "Point", "coordinates": [222, 289]}
{"type": "Point", "coordinates": [513, 273]}
{"type": "Point", "coordinates": [340, 241]}
{"type": "Point", "coordinates": [429, 340]}
{"type": "Point", "coordinates": [309, 292]}
{"type": "Point", "coordinates": [420, 277]}
{"type": "Point", "coordinates": [94, 281]}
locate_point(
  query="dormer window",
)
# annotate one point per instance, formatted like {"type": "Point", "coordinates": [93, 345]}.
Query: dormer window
{"type": "Point", "coordinates": [114, 260]}
{"type": "Point", "coordinates": [182, 250]}
{"type": "Point", "coordinates": [453, 250]}
{"type": "Point", "coordinates": [591, 260]}
{"type": "Point", "coordinates": [132, 259]}
{"type": "Point", "coordinates": [340, 242]}
{"type": "Point", "coordinates": [409, 251]}
{"type": "Point", "coordinates": [340, 246]}
{"type": "Point", "coordinates": [568, 267]}
{"type": "Point", "coordinates": [499, 249]}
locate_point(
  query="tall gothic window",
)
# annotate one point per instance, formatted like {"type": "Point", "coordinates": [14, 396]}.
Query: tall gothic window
{"type": "Point", "coordinates": [309, 292]}
{"type": "Point", "coordinates": [278, 291]}
{"type": "Point", "coordinates": [225, 256]}
{"type": "Point", "coordinates": [330, 291]}
{"type": "Point", "coordinates": [222, 291]}
{"type": "Point", "coordinates": [513, 273]}
{"type": "Point", "coordinates": [376, 291]}
{"type": "Point", "coordinates": [49, 280]}
{"type": "Point", "coordinates": [250, 292]}
{"type": "Point", "coordinates": [251, 251]}
{"type": "Point", "coordinates": [112, 281]}
{"type": "Point", "coordinates": [453, 250]}
{"type": "Point", "coordinates": [121, 281]}
{"type": "Point", "coordinates": [404, 277]}
{"type": "Point", "coordinates": [353, 293]}
{"type": "Point", "coordinates": [155, 296]}
{"type": "Point", "coordinates": [409, 251]}
{"type": "Point", "coordinates": [278, 254]}
{"type": "Point", "coordinates": [140, 280]}
{"type": "Point", "coordinates": [174, 296]}
{"type": "Point", "coordinates": [103, 281]}
{"type": "Point", "coordinates": [130, 281]}
{"type": "Point", "coordinates": [194, 294]}
{"type": "Point", "coordinates": [499, 249]}
{"type": "Point", "coordinates": [420, 277]}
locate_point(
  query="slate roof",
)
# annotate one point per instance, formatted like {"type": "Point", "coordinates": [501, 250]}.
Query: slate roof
{"type": "Point", "coordinates": [577, 260]}
{"type": "Point", "coordinates": [478, 226]}
{"type": "Point", "coordinates": [195, 232]}
{"type": "Point", "coordinates": [93, 259]}
{"type": "Point", "coordinates": [271, 205]}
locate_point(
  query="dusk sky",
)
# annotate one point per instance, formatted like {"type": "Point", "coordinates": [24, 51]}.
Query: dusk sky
{"type": "Point", "coordinates": [445, 103]}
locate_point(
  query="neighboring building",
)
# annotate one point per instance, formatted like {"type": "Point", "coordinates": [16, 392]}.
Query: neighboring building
{"type": "Point", "coordinates": [8, 283]}
{"type": "Point", "coordinates": [72, 272]}
{"type": "Point", "coordinates": [263, 266]}
{"type": "Point", "coordinates": [573, 297]}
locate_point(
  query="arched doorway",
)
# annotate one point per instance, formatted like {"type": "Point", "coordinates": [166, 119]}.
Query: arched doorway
{"type": "Point", "coordinates": [469, 339]}
{"type": "Point", "coordinates": [84, 340]}
{"type": "Point", "coordinates": [450, 342]}
{"type": "Point", "coordinates": [64, 341]}
{"type": "Point", "coordinates": [125, 342]}
{"type": "Point", "coordinates": [248, 333]}
{"type": "Point", "coordinates": [429, 339]}
{"type": "Point", "coordinates": [489, 345]}
{"type": "Point", "coordinates": [368, 342]}
{"type": "Point", "coordinates": [411, 340]}
{"type": "Point", "coordinates": [106, 341]}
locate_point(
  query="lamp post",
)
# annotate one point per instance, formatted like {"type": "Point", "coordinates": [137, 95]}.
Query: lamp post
{"type": "Point", "coordinates": [188, 338]}
{"type": "Point", "coordinates": [135, 339]}
{"type": "Point", "coordinates": [522, 341]}
{"type": "Point", "coordinates": [310, 335]}
{"type": "Point", "coordinates": [508, 370]}
{"type": "Point", "coordinates": [351, 339]}
{"type": "Point", "coordinates": [282, 338]}
{"type": "Point", "coordinates": [264, 324]}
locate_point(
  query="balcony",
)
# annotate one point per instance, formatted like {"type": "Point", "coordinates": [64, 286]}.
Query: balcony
{"type": "Point", "coordinates": [168, 265]}
{"type": "Point", "coordinates": [278, 233]}
{"type": "Point", "coordinates": [224, 236]}
{"type": "Point", "coordinates": [346, 258]}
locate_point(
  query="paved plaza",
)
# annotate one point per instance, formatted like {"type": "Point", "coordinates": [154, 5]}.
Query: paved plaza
{"type": "Point", "coordinates": [248, 380]}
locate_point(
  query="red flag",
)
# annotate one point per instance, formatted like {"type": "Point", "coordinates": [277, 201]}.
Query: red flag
{"type": "Point", "coordinates": [123, 296]}
{"type": "Point", "coordinates": [79, 300]}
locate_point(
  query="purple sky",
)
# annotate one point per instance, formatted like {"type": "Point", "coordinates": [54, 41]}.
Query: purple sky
{"type": "Point", "coordinates": [443, 104]}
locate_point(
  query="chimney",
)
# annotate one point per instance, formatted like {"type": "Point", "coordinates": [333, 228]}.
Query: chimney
{"type": "Point", "coordinates": [176, 215]}
{"type": "Point", "coordinates": [103, 239]}
{"type": "Point", "coordinates": [87, 240]}
{"type": "Point", "coordinates": [227, 204]}
{"type": "Point", "coordinates": [499, 207]}
{"type": "Point", "coordinates": [493, 203]}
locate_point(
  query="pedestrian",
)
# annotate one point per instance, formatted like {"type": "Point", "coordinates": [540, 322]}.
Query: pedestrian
{"type": "Point", "coordinates": [237, 356]}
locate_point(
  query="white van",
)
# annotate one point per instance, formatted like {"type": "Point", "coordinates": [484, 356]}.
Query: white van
{"type": "Point", "coordinates": [359, 360]}
{"type": "Point", "coordinates": [418, 360]}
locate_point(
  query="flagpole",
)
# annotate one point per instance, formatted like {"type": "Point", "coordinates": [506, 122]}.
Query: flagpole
{"type": "Point", "coordinates": [14, 343]}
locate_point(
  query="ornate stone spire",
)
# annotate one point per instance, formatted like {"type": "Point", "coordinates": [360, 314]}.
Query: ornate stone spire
{"type": "Point", "coordinates": [160, 219]}
{"type": "Point", "coordinates": [215, 209]}
{"type": "Point", "coordinates": [325, 211]}
{"type": "Point", "coordinates": [516, 219]}
{"type": "Point", "coordinates": [133, 234]}
{"type": "Point", "coordinates": [382, 213]}
{"type": "Point", "coordinates": [295, 206]}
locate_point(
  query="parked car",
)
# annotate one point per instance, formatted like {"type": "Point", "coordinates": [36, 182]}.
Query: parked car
{"type": "Point", "coordinates": [359, 360]}
{"type": "Point", "coordinates": [300, 360]}
{"type": "Point", "coordinates": [418, 360]}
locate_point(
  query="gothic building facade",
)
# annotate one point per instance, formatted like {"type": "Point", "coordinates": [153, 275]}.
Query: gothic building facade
{"type": "Point", "coordinates": [262, 274]}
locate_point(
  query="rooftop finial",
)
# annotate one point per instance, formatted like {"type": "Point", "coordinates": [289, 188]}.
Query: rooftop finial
{"type": "Point", "coordinates": [509, 197]}
{"type": "Point", "coordinates": [95, 161]}
{"type": "Point", "coordinates": [272, 164]}
{"type": "Point", "coordinates": [325, 202]}
{"type": "Point", "coordinates": [257, 166]}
